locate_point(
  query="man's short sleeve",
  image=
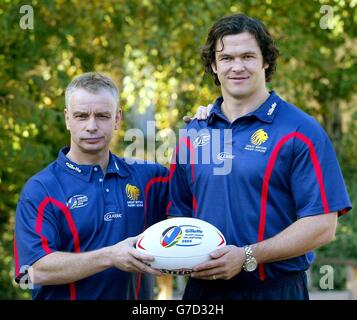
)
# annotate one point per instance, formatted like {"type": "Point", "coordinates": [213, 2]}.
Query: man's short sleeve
{"type": "Point", "coordinates": [181, 196]}
{"type": "Point", "coordinates": [316, 179]}
{"type": "Point", "coordinates": [159, 194]}
{"type": "Point", "coordinates": [36, 232]}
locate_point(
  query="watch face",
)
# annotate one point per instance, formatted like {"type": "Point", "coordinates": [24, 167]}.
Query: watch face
{"type": "Point", "coordinates": [251, 265]}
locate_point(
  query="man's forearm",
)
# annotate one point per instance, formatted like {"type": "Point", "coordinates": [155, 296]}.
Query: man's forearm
{"type": "Point", "coordinates": [64, 267]}
{"type": "Point", "coordinates": [304, 235]}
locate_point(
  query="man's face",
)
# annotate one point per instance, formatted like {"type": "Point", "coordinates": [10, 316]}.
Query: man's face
{"type": "Point", "coordinates": [239, 66]}
{"type": "Point", "coordinates": [92, 118]}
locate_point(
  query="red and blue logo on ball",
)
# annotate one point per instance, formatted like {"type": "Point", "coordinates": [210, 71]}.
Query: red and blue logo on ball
{"type": "Point", "coordinates": [171, 236]}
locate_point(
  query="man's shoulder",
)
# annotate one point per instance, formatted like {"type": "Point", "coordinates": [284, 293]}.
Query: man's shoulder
{"type": "Point", "coordinates": [196, 125]}
{"type": "Point", "coordinates": [40, 181]}
{"type": "Point", "coordinates": [142, 168]}
{"type": "Point", "coordinates": [298, 118]}
{"type": "Point", "coordinates": [295, 120]}
{"type": "Point", "coordinates": [192, 130]}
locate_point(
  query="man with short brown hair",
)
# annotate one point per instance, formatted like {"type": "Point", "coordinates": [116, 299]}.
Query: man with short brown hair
{"type": "Point", "coordinates": [77, 220]}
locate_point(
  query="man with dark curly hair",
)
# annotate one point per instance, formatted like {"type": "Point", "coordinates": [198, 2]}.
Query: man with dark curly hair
{"type": "Point", "coordinates": [283, 190]}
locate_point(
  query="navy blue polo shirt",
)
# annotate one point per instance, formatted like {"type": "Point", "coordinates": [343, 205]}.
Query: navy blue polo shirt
{"type": "Point", "coordinates": [255, 176]}
{"type": "Point", "coordinates": [77, 208]}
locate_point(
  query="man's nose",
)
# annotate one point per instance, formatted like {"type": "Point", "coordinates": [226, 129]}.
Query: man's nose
{"type": "Point", "coordinates": [91, 124]}
{"type": "Point", "coordinates": [238, 65]}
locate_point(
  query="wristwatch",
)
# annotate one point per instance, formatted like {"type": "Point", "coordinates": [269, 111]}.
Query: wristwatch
{"type": "Point", "coordinates": [250, 263]}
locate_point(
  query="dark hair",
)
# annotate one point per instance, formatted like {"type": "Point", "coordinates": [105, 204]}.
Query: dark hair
{"type": "Point", "coordinates": [235, 24]}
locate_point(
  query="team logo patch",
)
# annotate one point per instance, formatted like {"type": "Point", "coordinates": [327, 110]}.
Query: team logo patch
{"type": "Point", "coordinates": [77, 201]}
{"type": "Point", "coordinates": [182, 236]}
{"type": "Point", "coordinates": [201, 140]}
{"type": "Point", "coordinates": [256, 140]}
{"type": "Point", "coordinates": [259, 137]}
{"type": "Point", "coordinates": [133, 193]}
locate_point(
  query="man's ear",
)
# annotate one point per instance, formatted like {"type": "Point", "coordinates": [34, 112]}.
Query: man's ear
{"type": "Point", "coordinates": [265, 66]}
{"type": "Point", "coordinates": [66, 118]}
{"type": "Point", "coordinates": [214, 67]}
{"type": "Point", "coordinates": [118, 117]}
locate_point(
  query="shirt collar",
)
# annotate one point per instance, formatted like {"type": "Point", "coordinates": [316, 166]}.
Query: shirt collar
{"type": "Point", "coordinates": [117, 166]}
{"type": "Point", "coordinates": [266, 112]}
{"type": "Point", "coordinates": [216, 111]}
{"type": "Point", "coordinates": [84, 172]}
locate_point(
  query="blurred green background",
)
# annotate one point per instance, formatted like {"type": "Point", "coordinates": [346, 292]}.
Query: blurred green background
{"type": "Point", "coordinates": [151, 49]}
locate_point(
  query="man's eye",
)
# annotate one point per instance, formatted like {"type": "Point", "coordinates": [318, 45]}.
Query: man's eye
{"type": "Point", "coordinates": [81, 116]}
{"type": "Point", "coordinates": [104, 117]}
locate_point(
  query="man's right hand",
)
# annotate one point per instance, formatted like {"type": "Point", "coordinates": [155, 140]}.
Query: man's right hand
{"type": "Point", "coordinates": [125, 257]}
{"type": "Point", "coordinates": [66, 267]}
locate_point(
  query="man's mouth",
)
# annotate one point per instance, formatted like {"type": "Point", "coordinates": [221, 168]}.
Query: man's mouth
{"type": "Point", "coordinates": [238, 79]}
{"type": "Point", "coordinates": [92, 139]}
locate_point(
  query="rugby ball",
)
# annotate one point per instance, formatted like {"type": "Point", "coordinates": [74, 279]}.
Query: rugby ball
{"type": "Point", "coordinates": [179, 244]}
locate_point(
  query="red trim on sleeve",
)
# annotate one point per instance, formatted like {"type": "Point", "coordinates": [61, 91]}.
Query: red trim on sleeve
{"type": "Point", "coordinates": [71, 225]}
{"type": "Point", "coordinates": [267, 175]}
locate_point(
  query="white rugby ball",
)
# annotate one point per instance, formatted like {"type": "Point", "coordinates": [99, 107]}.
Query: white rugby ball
{"type": "Point", "coordinates": [179, 244]}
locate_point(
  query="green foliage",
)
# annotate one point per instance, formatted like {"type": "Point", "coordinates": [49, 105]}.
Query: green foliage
{"type": "Point", "coordinates": [151, 48]}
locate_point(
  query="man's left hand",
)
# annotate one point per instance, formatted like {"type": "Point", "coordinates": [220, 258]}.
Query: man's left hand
{"type": "Point", "coordinates": [225, 264]}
